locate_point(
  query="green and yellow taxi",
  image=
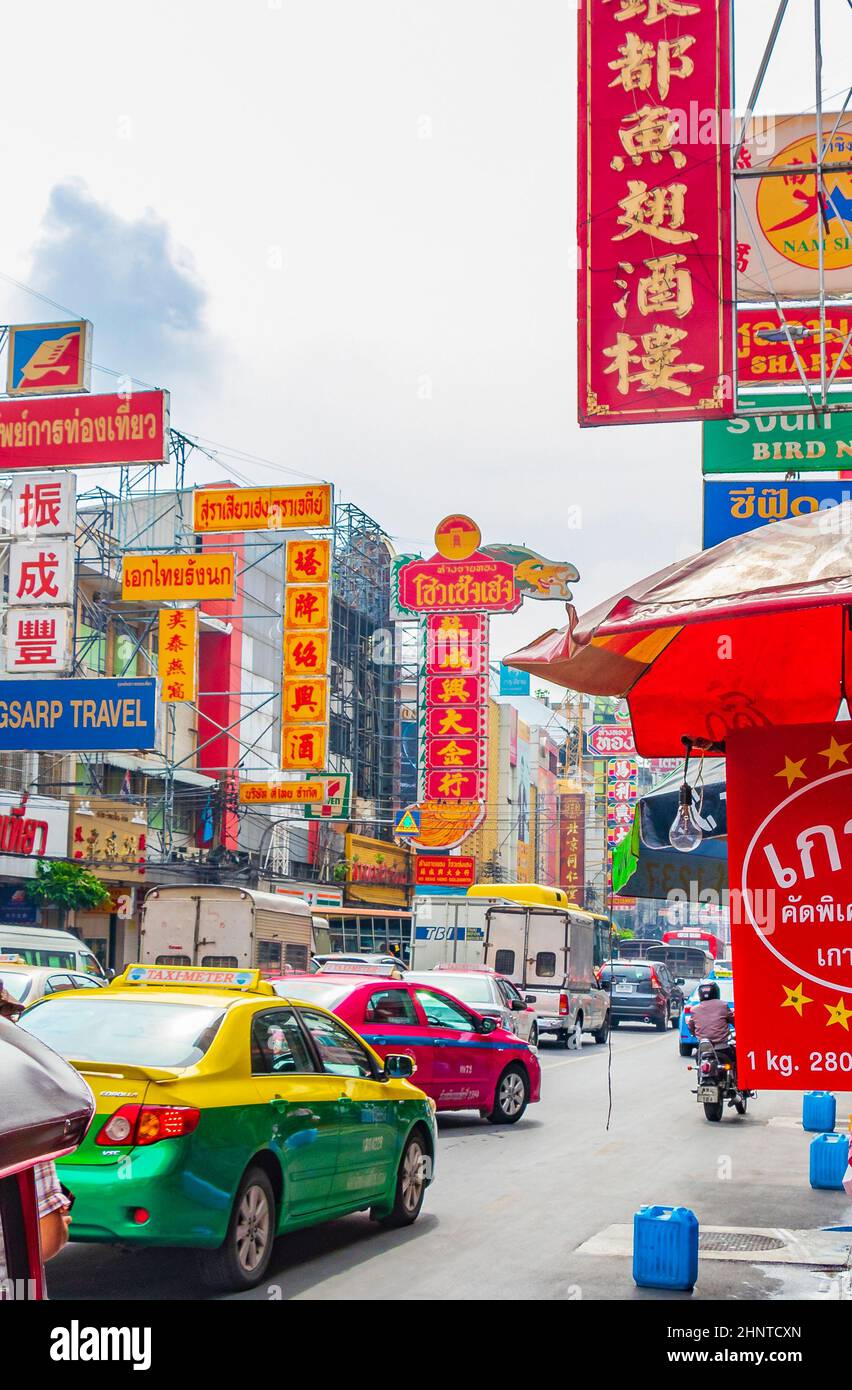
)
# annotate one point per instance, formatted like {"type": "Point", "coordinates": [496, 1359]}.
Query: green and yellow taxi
{"type": "Point", "coordinates": [227, 1115]}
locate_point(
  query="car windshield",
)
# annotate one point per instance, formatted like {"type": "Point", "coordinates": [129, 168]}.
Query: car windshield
{"type": "Point", "coordinates": [314, 990]}
{"type": "Point", "coordinates": [473, 989]}
{"type": "Point", "coordinates": [15, 983]}
{"type": "Point", "coordinates": [138, 1032]}
{"type": "Point", "coordinates": [627, 974]}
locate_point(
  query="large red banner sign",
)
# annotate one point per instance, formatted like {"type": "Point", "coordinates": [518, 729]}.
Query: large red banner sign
{"type": "Point", "coordinates": [75, 431]}
{"type": "Point", "coordinates": [456, 752]}
{"type": "Point", "coordinates": [654, 217]}
{"type": "Point", "coordinates": [790, 859]}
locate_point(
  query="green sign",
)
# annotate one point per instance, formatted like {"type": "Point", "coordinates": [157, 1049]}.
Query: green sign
{"type": "Point", "coordinates": [338, 793]}
{"type": "Point", "coordinates": [779, 443]}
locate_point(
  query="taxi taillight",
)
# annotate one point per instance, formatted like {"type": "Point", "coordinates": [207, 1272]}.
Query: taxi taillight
{"type": "Point", "coordinates": [147, 1124]}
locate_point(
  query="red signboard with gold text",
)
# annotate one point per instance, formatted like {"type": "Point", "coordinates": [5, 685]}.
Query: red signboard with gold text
{"type": "Point", "coordinates": [767, 363]}
{"type": "Point", "coordinates": [444, 871]}
{"type": "Point", "coordinates": [654, 217]}
{"type": "Point", "coordinates": [80, 431]}
{"type": "Point", "coordinates": [456, 706]}
{"type": "Point", "coordinates": [790, 859]}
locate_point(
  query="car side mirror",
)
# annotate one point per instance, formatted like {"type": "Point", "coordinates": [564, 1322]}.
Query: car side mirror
{"type": "Point", "coordinates": [680, 982]}
{"type": "Point", "coordinates": [398, 1067]}
{"type": "Point", "coordinates": [487, 1025]}
{"type": "Point", "coordinates": [529, 998]}
{"type": "Point", "coordinates": [516, 1005]}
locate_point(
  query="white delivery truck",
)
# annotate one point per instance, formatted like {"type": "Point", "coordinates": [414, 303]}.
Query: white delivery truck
{"type": "Point", "coordinates": [548, 952]}
{"type": "Point", "coordinates": [232, 928]}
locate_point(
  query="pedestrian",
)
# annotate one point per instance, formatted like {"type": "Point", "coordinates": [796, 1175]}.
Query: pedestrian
{"type": "Point", "coordinates": [53, 1206]}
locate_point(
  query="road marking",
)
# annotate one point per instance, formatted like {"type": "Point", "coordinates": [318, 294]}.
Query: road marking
{"type": "Point", "coordinates": [597, 1052]}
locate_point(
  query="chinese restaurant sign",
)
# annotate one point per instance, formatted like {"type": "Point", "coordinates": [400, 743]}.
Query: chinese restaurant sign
{"type": "Point", "coordinates": [85, 431]}
{"type": "Point", "coordinates": [732, 508]}
{"type": "Point", "coordinates": [444, 871]}
{"type": "Point", "coordinates": [609, 741]}
{"type": "Point", "coordinates": [456, 706]}
{"type": "Point", "coordinates": [164, 577]}
{"type": "Point", "coordinates": [177, 654]}
{"type": "Point", "coordinates": [262, 509]}
{"type": "Point", "coordinates": [110, 837]}
{"type": "Point", "coordinates": [655, 333]}
{"type": "Point", "coordinates": [572, 845]}
{"type": "Point", "coordinates": [44, 358]}
{"type": "Point", "coordinates": [456, 586]}
{"type": "Point", "coordinates": [762, 363]}
{"type": "Point", "coordinates": [790, 858]}
{"type": "Point", "coordinates": [307, 647]}
{"type": "Point", "coordinates": [622, 788]}
{"type": "Point", "coordinates": [76, 715]}
{"type": "Point", "coordinates": [779, 442]}
{"type": "Point", "coordinates": [41, 566]}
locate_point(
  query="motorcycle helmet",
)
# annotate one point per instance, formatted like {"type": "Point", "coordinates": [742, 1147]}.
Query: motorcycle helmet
{"type": "Point", "coordinates": [709, 990]}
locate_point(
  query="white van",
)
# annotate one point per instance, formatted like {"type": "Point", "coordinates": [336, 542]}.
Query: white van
{"type": "Point", "coordinates": [40, 946]}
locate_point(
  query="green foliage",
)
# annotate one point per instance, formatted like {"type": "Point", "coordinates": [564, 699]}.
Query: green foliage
{"type": "Point", "coordinates": [66, 886]}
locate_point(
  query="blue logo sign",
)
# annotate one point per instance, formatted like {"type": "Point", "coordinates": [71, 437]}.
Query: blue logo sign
{"type": "Point", "coordinates": [732, 508]}
{"type": "Point", "coordinates": [80, 715]}
{"type": "Point", "coordinates": [514, 682]}
{"type": "Point", "coordinates": [408, 822]}
{"type": "Point", "coordinates": [48, 357]}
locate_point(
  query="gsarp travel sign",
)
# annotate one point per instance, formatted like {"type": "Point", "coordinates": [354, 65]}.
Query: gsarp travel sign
{"type": "Point", "coordinates": [80, 715]}
{"type": "Point", "coordinates": [731, 508]}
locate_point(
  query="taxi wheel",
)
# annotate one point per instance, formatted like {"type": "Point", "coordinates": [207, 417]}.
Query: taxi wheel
{"type": "Point", "coordinates": [410, 1184]}
{"type": "Point", "coordinates": [510, 1097]}
{"type": "Point", "coordinates": [241, 1260]}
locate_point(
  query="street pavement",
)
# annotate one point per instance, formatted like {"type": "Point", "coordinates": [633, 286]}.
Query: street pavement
{"type": "Point", "coordinates": [510, 1206]}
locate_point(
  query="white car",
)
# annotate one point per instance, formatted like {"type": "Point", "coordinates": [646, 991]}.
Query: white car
{"type": "Point", "coordinates": [486, 992]}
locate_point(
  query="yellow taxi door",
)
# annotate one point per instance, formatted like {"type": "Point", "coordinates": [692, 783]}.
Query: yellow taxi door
{"type": "Point", "coordinates": [304, 1121]}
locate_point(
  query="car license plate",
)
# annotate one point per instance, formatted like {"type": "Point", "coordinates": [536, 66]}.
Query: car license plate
{"type": "Point", "coordinates": [625, 989]}
{"type": "Point", "coordinates": [708, 1093]}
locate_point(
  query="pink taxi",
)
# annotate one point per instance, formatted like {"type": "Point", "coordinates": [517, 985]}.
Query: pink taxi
{"type": "Point", "coordinates": [464, 1061]}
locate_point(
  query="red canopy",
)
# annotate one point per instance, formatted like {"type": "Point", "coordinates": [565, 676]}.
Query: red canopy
{"type": "Point", "coordinates": [753, 632]}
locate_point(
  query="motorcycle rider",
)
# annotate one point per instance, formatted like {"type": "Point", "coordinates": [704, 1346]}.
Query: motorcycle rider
{"type": "Point", "coordinates": [711, 1017]}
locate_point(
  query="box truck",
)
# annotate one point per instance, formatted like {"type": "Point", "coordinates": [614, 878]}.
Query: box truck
{"type": "Point", "coordinates": [232, 928]}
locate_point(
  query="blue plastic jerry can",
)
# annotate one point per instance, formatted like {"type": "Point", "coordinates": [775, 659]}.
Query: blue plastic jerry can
{"type": "Point", "coordinates": [829, 1157]}
{"type": "Point", "coordinates": [665, 1248]}
{"type": "Point", "coordinates": [819, 1112]}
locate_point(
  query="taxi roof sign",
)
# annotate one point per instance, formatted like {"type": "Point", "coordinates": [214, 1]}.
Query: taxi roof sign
{"type": "Point", "coordinates": [356, 967]}
{"type": "Point", "coordinates": [194, 977]}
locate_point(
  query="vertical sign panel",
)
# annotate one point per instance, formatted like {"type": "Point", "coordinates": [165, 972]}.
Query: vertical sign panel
{"type": "Point", "coordinates": [177, 654]}
{"type": "Point", "coordinates": [572, 846]}
{"type": "Point", "coordinates": [307, 648]}
{"type": "Point", "coordinates": [654, 217]}
{"type": "Point", "coordinates": [456, 732]}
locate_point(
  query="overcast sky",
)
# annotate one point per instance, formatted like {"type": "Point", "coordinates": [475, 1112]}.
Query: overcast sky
{"type": "Point", "coordinates": [341, 232]}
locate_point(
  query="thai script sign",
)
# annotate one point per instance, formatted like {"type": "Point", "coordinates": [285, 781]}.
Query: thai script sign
{"type": "Point", "coordinates": [449, 586]}
{"type": "Point", "coordinates": [778, 218]}
{"type": "Point", "coordinates": [444, 871]}
{"type": "Point", "coordinates": [610, 741]}
{"type": "Point", "coordinates": [177, 654]}
{"type": "Point", "coordinates": [262, 508]}
{"type": "Point", "coordinates": [33, 828]}
{"type": "Point", "coordinates": [80, 715]}
{"type": "Point", "coordinates": [790, 859]}
{"type": "Point", "coordinates": [48, 357]}
{"type": "Point", "coordinates": [732, 508]}
{"type": "Point", "coordinates": [281, 793]}
{"type": "Point", "coordinates": [84, 431]}
{"type": "Point", "coordinates": [778, 442]}
{"type": "Point", "coordinates": [654, 211]}
{"type": "Point", "coordinates": [163, 577]}
{"type": "Point", "coordinates": [774, 362]}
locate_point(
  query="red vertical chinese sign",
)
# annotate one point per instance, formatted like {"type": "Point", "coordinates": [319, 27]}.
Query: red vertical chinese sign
{"type": "Point", "coordinates": [654, 214]}
{"type": "Point", "coordinates": [456, 706]}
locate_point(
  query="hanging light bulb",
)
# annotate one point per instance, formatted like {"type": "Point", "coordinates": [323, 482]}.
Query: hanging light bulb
{"type": "Point", "coordinates": [685, 835]}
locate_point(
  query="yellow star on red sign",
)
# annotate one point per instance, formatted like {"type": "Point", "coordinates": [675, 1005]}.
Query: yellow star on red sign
{"type": "Point", "coordinates": [835, 752]}
{"type": "Point", "coordinates": [838, 1013]}
{"type": "Point", "coordinates": [796, 998]}
{"type": "Point", "coordinates": [792, 771]}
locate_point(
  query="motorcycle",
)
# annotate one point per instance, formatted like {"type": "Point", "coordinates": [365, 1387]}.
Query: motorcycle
{"type": "Point", "coordinates": [717, 1087]}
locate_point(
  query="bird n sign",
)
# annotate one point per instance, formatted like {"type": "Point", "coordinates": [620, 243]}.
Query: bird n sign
{"type": "Point", "coordinates": [408, 822]}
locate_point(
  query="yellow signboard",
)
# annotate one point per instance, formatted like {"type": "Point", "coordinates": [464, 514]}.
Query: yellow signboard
{"type": "Point", "coordinates": [110, 837]}
{"type": "Point", "coordinates": [306, 605]}
{"type": "Point", "coordinates": [262, 508]}
{"type": "Point", "coordinates": [308, 562]}
{"type": "Point", "coordinates": [176, 657]}
{"type": "Point", "coordinates": [164, 577]}
{"type": "Point", "coordinates": [305, 701]}
{"type": "Point", "coordinates": [304, 747]}
{"type": "Point", "coordinates": [377, 872]}
{"type": "Point", "coordinates": [305, 653]}
{"type": "Point", "coordinates": [286, 793]}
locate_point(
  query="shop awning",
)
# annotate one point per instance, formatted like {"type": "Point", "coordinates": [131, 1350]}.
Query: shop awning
{"type": "Point", "coordinates": [155, 767]}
